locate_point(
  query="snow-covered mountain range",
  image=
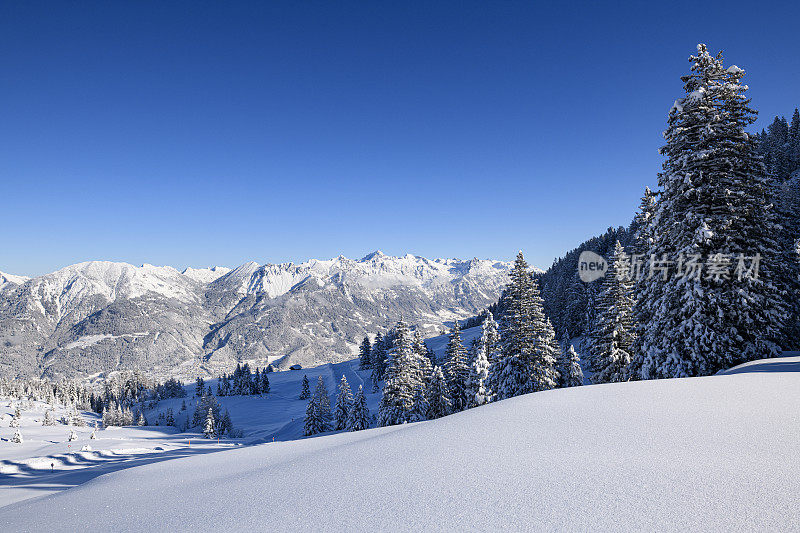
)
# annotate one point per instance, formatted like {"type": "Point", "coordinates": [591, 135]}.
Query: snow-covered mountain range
{"type": "Point", "coordinates": [102, 316]}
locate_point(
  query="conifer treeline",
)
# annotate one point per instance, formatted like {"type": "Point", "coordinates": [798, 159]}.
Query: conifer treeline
{"type": "Point", "coordinates": [516, 356]}
{"type": "Point", "coordinates": [779, 146]}
{"type": "Point", "coordinates": [723, 195]}
{"type": "Point", "coordinates": [242, 381]}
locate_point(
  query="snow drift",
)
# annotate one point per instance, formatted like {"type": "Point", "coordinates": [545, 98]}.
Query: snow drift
{"type": "Point", "coordinates": [708, 453]}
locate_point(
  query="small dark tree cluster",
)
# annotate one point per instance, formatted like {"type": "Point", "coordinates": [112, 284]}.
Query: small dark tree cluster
{"type": "Point", "coordinates": [243, 382]}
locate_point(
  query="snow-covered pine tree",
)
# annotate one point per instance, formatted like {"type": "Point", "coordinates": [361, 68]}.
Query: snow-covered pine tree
{"type": "Point", "coordinates": [364, 352]}
{"type": "Point", "coordinates": [784, 194]}
{"type": "Point", "coordinates": [358, 418]}
{"type": "Point", "coordinates": [456, 370]}
{"type": "Point", "coordinates": [794, 133]}
{"type": "Point", "coordinates": [423, 361]}
{"type": "Point", "coordinates": [528, 349]}
{"type": "Point", "coordinates": [419, 411]}
{"type": "Point", "coordinates": [438, 397]}
{"type": "Point", "coordinates": [200, 387]}
{"type": "Point", "coordinates": [344, 403]}
{"type": "Point", "coordinates": [431, 355]}
{"type": "Point", "coordinates": [209, 428]}
{"type": "Point", "coordinates": [574, 318]}
{"type": "Point", "coordinates": [490, 337]}
{"type": "Point", "coordinates": [713, 205]}
{"type": "Point", "coordinates": [93, 436]}
{"type": "Point", "coordinates": [140, 419]}
{"type": "Point", "coordinates": [225, 425]}
{"type": "Point", "coordinates": [255, 385]}
{"type": "Point", "coordinates": [644, 293]}
{"type": "Point", "coordinates": [479, 370]}
{"type": "Point", "coordinates": [305, 393]}
{"type": "Point", "coordinates": [397, 402]}
{"type": "Point", "coordinates": [49, 419]}
{"type": "Point", "coordinates": [476, 382]}
{"type": "Point", "coordinates": [421, 374]}
{"type": "Point", "coordinates": [311, 423]}
{"type": "Point", "coordinates": [569, 366]}
{"type": "Point", "coordinates": [378, 361]}
{"type": "Point", "coordinates": [17, 438]}
{"type": "Point", "coordinates": [613, 331]}
{"type": "Point", "coordinates": [201, 411]}
{"type": "Point", "coordinates": [264, 382]}
{"type": "Point", "coordinates": [318, 411]}
{"type": "Point", "coordinates": [545, 374]}
{"type": "Point", "coordinates": [72, 436]}
{"type": "Point", "coordinates": [323, 402]}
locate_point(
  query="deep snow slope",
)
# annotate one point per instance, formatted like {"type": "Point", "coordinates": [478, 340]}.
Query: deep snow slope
{"type": "Point", "coordinates": [26, 471]}
{"type": "Point", "coordinates": [102, 316]}
{"type": "Point", "coordinates": [713, 453]}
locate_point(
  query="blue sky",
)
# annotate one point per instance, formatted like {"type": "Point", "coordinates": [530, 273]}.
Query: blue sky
{"type": "Point", "coordinates": [203, 133]}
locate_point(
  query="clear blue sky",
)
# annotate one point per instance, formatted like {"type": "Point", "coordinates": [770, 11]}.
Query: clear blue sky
{"type": "Point", "coordinates": [202, 133]}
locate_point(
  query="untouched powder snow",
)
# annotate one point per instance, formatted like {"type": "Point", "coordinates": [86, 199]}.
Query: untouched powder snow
{"type": "Point", "coordinates": [713, 453]}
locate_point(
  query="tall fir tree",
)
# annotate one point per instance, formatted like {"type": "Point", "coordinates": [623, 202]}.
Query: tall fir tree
{"type": "Point", "coordinates": [423, 361]}
{"type": "Point", "coordinates": [528, 349]}
{"type": "Point", "coordinates": [378, 361]}
{"type": "Point", "coordinates": [364, 354]}
{"type": "Point", "coordinates": [358, 418]}
{"type": "Point", "coordinates": [305, 392]}
{"type": "Point", "coordinates": [344, 402]}
{"type": "Point", "coordinates": [478, 392]}
{"type": "Point", "coordinates": [574, 318]}
{"type": "Point", "coordinates": [456, 370]}
{"type": "Point", "coordinates": [438, 397]}
{"type": "Point", "coordinates": [397, 402]}
{"type": "Point", "coordinates": [613, 332]}
{"type": "Point", "coordinates": [569, 366]}
{"type": "Point", "coordinates": [713, 205]}
{"type": "Point", "coordinates": [209, 427]}
{"type": "Point", "coordinates": [644, 293]}
{"type": "Point", "coordinates": [318, 411]}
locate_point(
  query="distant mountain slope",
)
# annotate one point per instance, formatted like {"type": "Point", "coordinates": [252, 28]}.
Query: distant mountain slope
{"type": "Point", "coordinates": [206, 275]}
{"type": "Point", "coordinates": [102, 316]}
{"type": "Point", "coordinates": [9, 279]}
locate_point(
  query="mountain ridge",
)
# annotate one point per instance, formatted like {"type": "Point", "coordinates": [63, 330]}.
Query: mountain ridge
{"type": "Point", "coordinates": [101, 316]}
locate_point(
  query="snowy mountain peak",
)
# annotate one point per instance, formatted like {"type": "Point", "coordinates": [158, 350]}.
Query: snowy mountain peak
{"type": "Point", "coordinates": [11, 279]}
{"type": "Point", "coordinates": [375, 271]}
{"type": "Point", "coordinates": [205, 275]}
{"type": "Point", "coordinates": [372, 255]}
{"type": "Point", "coordinates": [101, 316]}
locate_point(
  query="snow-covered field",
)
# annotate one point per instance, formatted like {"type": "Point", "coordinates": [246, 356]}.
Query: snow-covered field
{"type": "Point", "coordinates": [712, 453]}
{"type": "Point", "coordinates": [48, 462]}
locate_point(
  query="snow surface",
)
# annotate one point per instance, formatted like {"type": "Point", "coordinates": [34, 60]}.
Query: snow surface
{"type": "Point", "coordinates": [711, 453]}
{"type": "Point", "coordinates": [25, 470]}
